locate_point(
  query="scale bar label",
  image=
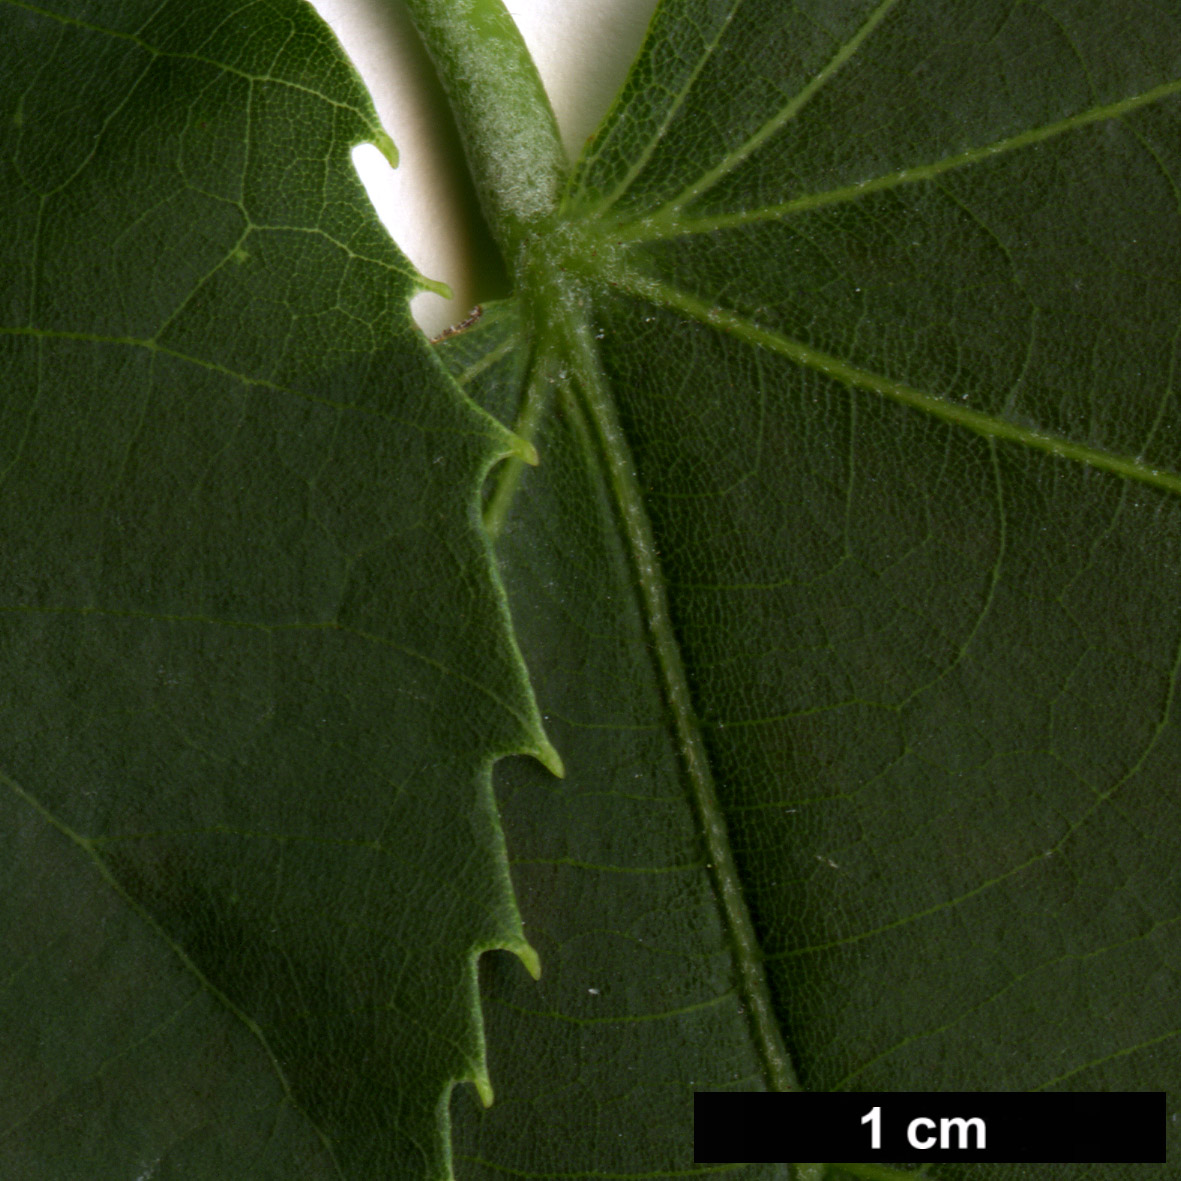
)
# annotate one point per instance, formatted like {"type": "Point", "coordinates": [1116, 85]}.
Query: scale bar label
{"type": "Point", "coordinates": [1011, 1127]}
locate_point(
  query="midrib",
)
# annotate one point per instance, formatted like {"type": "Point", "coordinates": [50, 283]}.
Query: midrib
{"type": "Point", "coordinates": [593, 394]}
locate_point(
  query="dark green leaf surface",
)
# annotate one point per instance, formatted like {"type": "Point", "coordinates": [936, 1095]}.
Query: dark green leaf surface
{"type": "Point", "coordinates": [256, 666]}
{"type": "Point", "coordinates": [847, 586]}
{"type": "Point", "coordinates": [888, 317]}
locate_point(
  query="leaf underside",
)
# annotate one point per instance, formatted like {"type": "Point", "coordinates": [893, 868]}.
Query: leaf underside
{"type": "Point", "coordinates": [256, 663]}
{"type": "Point", "coordinates": [846, 585]}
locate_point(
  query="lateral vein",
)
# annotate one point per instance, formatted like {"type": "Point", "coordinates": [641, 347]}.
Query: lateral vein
{"type": "Point", "coordinates": [785, 114]}
{"type": "Point", "coordinates": [674, 107]}
{"type": "Point", "coordinates": [665, 223]}
{"type": "Point", "coordinates": [663, 295]}
{"type": "Point", "coordinates": [87, 846]}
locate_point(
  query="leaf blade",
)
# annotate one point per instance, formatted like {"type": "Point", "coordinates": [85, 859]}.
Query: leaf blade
{"type": "Point", "coordinates": [255, 620]}
{"type": "Point", "coordinates": [916, 687]}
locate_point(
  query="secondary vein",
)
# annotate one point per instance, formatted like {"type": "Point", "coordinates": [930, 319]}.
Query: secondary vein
{"type": "Point", "coordinates": [786, 113]}
{"type": "Point", "coordinates": [670, 113]}
{"type": "Point", "coordinates": [87, 846]}
{"type": "Point", "coordinates": [666, 222]}
{"type": "Point", "coordinates": [664, 295]}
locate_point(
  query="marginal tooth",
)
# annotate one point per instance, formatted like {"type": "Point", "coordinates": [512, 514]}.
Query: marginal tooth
{"type": "Point", "coordinates": [385, 146]}
{"type": "Point", "coordinates": [434, 286]}
{"type": "Point", "coordinates": [524, 450]}
{"type": "Point", "coordinates": [483, 1087]}
{"type": "Point", "coordinates": [526, 953]}
{"type": "Point", "coordinates": [546, 754]}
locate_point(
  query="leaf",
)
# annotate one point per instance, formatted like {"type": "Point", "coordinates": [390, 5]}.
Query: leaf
{"type": "Point", "coordinates": [256, 661]}
{"type": "Point", "coordinates": [889, 328]}
{"type": "Point", "coordinates": [846, 585]}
